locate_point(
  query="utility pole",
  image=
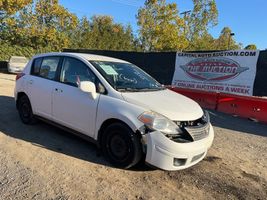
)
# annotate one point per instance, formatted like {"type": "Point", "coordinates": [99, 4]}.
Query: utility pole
{"type": "Point", "coordinates": [185, 13]}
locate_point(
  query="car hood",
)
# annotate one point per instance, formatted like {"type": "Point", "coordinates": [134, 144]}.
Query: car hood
{"type": "Point", "coordinates": [166, 102]}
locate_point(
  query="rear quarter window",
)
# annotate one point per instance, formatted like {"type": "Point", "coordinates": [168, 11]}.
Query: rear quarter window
{"type": "Point", "coordinates": [36, 66]}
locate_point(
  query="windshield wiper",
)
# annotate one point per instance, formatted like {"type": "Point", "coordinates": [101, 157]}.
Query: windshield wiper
{"type": "Point", "coordinates": [139, 89]}
{"type": "Point", "coordinates": [150, 89]}
{"type": "Point", "coordinates": [128, 89]}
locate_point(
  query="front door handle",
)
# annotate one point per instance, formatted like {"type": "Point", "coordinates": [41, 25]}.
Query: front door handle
{"type": "Point", "coordinates": [58, 90]}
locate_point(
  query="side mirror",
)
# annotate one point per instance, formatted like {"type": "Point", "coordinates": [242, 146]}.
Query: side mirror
{"type": "Point", "coordinates": [88, 87]}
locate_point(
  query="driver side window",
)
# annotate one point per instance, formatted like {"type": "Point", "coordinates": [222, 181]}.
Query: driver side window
{"type": "Point", "coordinates": [74, 71]}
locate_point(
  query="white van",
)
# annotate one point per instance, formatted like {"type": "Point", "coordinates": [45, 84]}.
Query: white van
{"type": "Point", "coordinates": [16, 64]}
{"type": "Point", "coordinates": [118, 106]}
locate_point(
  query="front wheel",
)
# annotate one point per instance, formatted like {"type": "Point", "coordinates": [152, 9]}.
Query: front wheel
{"type": "Point", "coordinates": [121, 146]}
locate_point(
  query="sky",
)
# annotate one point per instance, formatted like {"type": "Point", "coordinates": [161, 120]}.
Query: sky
{"type": "Point", "coordinates": [247, 19]}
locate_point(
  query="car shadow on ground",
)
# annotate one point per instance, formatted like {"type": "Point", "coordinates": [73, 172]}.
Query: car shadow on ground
{"type": "Point", "coordinates": [55, 139]}
{"type": "Point", "coordinates": [50, 137]}
{"type": "Point", "coordinates": [239, 124]}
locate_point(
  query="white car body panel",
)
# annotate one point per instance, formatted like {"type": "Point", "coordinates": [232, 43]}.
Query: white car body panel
{"type": "Point", "coordinates": [64, 102]}
{"type": "Point", "coordinates": [162, 151]}
{"type": "Point", "coordinates": [70, 107]}
{"type": "Point", "coordinates": [39, 91]}
{"type": "Point", "coordinates": [113, 108]}
{"type": "Point", "coordinates": [168, 103]}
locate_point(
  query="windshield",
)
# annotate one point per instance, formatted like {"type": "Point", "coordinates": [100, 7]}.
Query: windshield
{"type": "Point", "coordinates": [126, 76]}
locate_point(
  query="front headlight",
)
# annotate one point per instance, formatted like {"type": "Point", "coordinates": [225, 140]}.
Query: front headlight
{"type": "Point", "coordinates": [158, 122]}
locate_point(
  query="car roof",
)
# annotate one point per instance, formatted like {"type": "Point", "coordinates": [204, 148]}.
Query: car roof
{"type": "Point", "coordinates": [90, 57]}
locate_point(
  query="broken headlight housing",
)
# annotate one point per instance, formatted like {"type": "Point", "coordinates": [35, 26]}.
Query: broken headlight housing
{"type": "Point", "coordinates": [157, 122]}
{"type": "Point", "coordinates": [206, 116]}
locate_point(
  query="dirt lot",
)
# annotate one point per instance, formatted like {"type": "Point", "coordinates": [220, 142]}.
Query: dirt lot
{"type": "Point", "coordinates": [43, 162]}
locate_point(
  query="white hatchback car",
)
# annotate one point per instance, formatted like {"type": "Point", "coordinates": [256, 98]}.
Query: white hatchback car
{"type": "Point", "coordinates": [120, 107]}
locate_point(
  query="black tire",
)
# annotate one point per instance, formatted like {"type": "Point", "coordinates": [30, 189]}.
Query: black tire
{"type": "Point", "coordinates": [25, 110]}
{"type": "Point", "coordinates": [121, 146]}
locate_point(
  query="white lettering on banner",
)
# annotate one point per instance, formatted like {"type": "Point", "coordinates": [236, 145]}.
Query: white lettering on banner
{"type": "Point", "coordinates": [225, 71]}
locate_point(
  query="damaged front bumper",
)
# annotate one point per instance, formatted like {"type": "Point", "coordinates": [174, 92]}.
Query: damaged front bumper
{"type": "Point", "coordinates": [167, 154]}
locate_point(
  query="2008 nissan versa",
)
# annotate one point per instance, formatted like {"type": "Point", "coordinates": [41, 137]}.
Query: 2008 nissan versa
{"type": "Point", "coordinates": [116, 104]}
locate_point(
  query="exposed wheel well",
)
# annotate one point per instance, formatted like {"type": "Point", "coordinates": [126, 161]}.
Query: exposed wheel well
{"type": "Point", "coordinates": [19, 95]}
{"type": "Point", "coordinates": [106, 124]}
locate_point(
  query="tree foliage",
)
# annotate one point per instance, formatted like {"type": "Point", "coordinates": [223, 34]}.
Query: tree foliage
{"type": "Point", "coordinates": [28, 27]}
{"type": "Point", "coordinates": [10, 7]}
{"type": "Point", "coordinates": [205, 42]}
{"type": "Point", "coordinates": [251, 47]}
{"type": "Point", "coordinates": [204, 16]}
{"type": "Point", "coordinates": [45, 25]}
{"type": "Point", "coordinates": [7, 50]}
{"type": "Point", "coordinates": [101, 32]}
{"type": "Point", "coordinates": [41, 24]}
{"type": "Point", "coordinates": [161, 28]}
{"type": "Point", "coordinates": [226, 40]}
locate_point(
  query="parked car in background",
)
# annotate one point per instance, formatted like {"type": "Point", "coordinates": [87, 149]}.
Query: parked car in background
{"type": "Point", "coordinates": [118, 106]}
{"type": "Point", "coordinates": [16, 64]}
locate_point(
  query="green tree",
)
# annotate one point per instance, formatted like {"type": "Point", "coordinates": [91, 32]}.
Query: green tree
{"type": "Point", "coordinates": [80, 37]}
{"type": "Point", "coordinates": [102, 33]}
{"type": "Point", "coordinates": [205, 42]}
{"type": "Point", "coordinates": [7, 50]}
{"type": "Point", "coordinates": [7, 9]}
{"type": "Point", "coordinates": [10, 7]}
{"type": "Point", "coordinates": [251, 47]}
{"type": "Point", "coordinates": [204, 16]}
{"type": "Point", "coordinates": [161, 28]}
{"type": "Point", "coordinates": [226, 40]}
{"type": "Point", "coordinates": [42, 24]}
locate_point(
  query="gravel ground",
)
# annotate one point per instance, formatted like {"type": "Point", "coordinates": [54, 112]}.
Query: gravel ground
{"type": "Point", "coordinates": [43, 162]}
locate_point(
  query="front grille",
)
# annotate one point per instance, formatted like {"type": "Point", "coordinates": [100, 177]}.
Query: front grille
{"type": "Point", "coordinates": [180, 138]}
{"type": "Point", "coordinates": [194, 130]}
{"type": "Point", "coordinates": [195, 123]}
{"type": "Point", "coordinates": [198, 133]}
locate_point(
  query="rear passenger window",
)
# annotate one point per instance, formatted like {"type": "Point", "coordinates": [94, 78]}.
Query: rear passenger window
{"type": "Point", "coordinates": [49, 67]}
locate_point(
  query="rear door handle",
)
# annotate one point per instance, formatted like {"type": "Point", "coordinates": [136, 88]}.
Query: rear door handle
{"type": "Point", "coordinates": [30, 82]}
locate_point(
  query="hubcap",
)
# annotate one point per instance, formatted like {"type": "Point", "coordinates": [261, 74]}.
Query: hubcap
{"type": "Point", "coordinates": [118, 147]}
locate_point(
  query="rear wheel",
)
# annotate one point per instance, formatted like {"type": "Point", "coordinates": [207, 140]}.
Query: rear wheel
{"type": "Point", "coordinates": [25, 110]}
{"type": "Point", "coordinates": [121, 146]}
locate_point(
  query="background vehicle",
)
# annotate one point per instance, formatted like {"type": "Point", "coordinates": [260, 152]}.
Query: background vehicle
{"type": "Point", "coordinates": [118, 106]}
{"type": "Point", "coordinates": [16, 64]}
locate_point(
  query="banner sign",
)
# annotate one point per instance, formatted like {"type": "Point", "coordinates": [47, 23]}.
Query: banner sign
{"type": "Point", "coordinates": [223, 71]}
